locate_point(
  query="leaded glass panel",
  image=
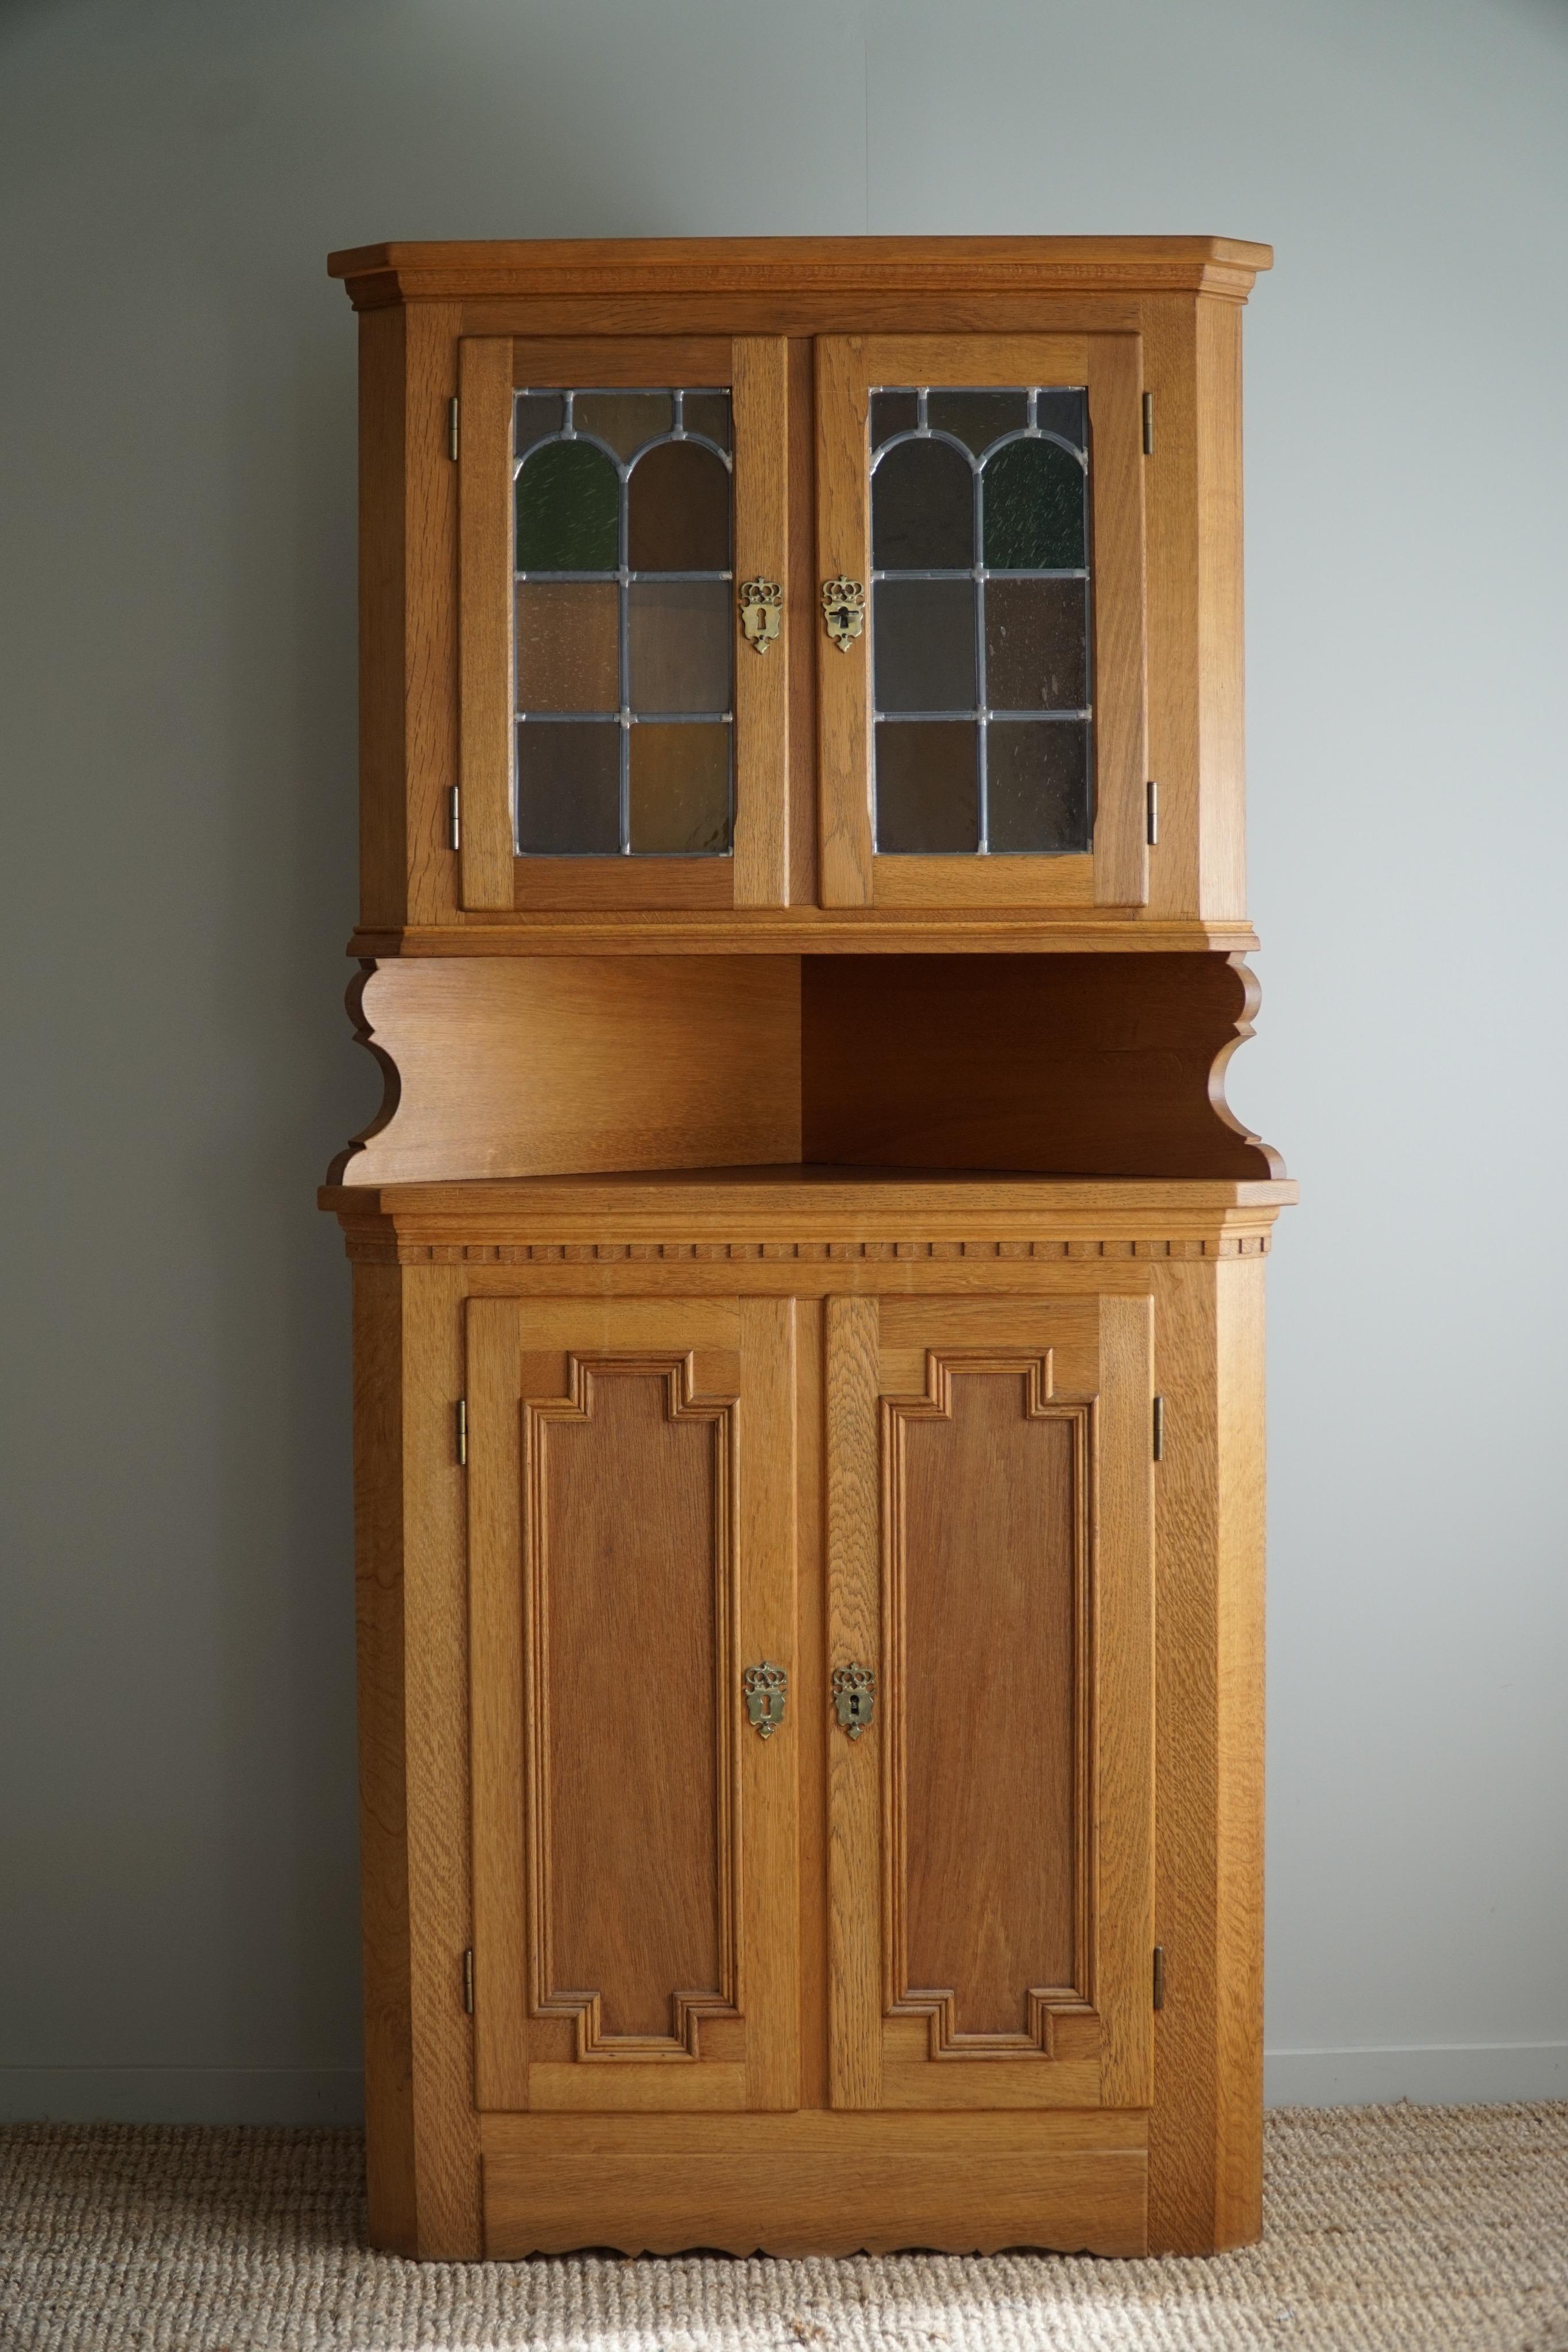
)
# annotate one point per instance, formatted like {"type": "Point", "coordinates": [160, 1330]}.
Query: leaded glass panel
{"type": "Point", "coordinates": [982, 662]}
{"type": "Point", "coordinates": [624, 665]}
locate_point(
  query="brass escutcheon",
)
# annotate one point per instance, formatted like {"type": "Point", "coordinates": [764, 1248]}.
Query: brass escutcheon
{"type": "Point", "coordinates": [766, 1687]}
{"type": "Point", "coordinates": [761, 611]}
{"type": "Point", "coordinates": [843, 610]}
{"type": "Point", "coordinates": [854, 1698]}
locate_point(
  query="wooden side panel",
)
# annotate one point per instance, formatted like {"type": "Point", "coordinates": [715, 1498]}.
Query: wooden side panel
{"type": "Point", "coordinates": [495, 1691]}
{"type": "Point", "coordinates": [1121, 753]}
{"type": "Point", "coordinates": [1221, 744]}
{"type": "Point", "coordinates": [485, 619]}
{"type": "Point", "coordinates": [843, 676]}
{"type": "Point", "coordinates": [855, 1636]}
{"type": "Point", "coordinates": [384, 796]}
{"type": "Point", "coordinates": [530, 1066]}
{"type": "Point", "coordinates": [762, 700]}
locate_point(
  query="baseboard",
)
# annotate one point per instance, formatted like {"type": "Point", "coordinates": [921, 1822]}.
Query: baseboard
{"type": "Point", "coordinates": [1435, 2074]}
{"type": "Point", "coordinates": [182, 2095]}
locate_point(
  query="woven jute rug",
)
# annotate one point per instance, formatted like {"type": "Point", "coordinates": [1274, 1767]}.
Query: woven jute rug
{"type": "Point", "coordinates": [1429, 2228]}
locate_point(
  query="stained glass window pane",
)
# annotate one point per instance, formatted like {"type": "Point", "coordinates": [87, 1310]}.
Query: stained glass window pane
{"type": "Point", "coordinates": [678, 510]}
{"type": "Point", "coordinates": [923, 635]}
{"type": "Point", "coordinates": [568, 788]}
{"type": "Point", "coordinates": [569, 645]}
{"type": "Point", "coordinates": [624, 419]}
{"type": "Point", "coordinates": [680, 636]}
{"type": "Point", "coordinates": [539, 415]}
{"type": "Point", "coordinates": [708, 413]}
{"type": "Point", "coordinates": [1036, 786]}
{"type": "Point", "coordinates": [891, 413]}
{"type": "Point", "coordinates": [923, 508]}
{"type": "Point", "coordinates": [927, 796]}
{"type": "Point", "coordinates": [680, 790]}
{"type": "Point", "coordinates": [1063, 412]}
{"type": "Point", "coordinates": [1034, 496]}
{"type": "Point", "coordinates": [568, 509]}
{"type": "Point", "coordinates": [1037, 645]}
{"type": "Point", "coordinates": [977, 418]}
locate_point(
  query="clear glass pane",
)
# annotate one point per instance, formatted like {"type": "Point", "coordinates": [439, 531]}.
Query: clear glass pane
{"type": "Point", "coordinates": [568, 509]}
{"type": "Point", "coordinates": [569, 645]}
{"type": "Point", "coordinates": [1037, 645]}
{"type": "Point", "coordinates": [678, 510]}
{"type": "Point", "coordinates": [537, 415]}
{"type": "Point", "coordinates": [680, 790]}
{"type": "Point", "coordinates": [891, 413]}
{"type": "Point", "coordinates": [708, 413]}
{"type": "Point", "coordinates": [922, 638]}
{"type": "Point", "coordinates": [1036, 786]}
{"type": "Point", "coordinates": [681, 639]}
{"type": "Point", "coordinates": [927, 786]}
{"type": "Point", "coordinates": [1033, 498]}
{"type": "Point", "coordinates": [923, 508]}
{"type": "Point", "coordinates": [978, 418]}
{"type": "Point", "coordinates": [1065, 413]}
{"type": "Point", "coordinates": [568, 788]}
{"type": "Point", "coordinates": [624, 419]}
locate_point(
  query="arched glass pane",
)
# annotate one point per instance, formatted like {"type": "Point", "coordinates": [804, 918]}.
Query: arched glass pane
{"type": "Point", "coordinates": [568, 509]}
{"type": "Point", "coordinates": [678, 510]}
{"type": "Point", "coordinates": [923, 508]}
{"type": "Point", "coordinates": [978, 418]}
{"type": "Point", "coordinates": [624, 419]}
{"type": "Point", "coordinates": [1033, 493]}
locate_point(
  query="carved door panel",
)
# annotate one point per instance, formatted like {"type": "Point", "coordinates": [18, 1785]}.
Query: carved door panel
{"type": "Point", "coordinates": [990, 1564]}
{"type": "Point", "coordinates": [623, 649]}
{"type": "Point", "coordinates": [631, 1501]}
{"type": "Point", "coordinates": [981, 724]}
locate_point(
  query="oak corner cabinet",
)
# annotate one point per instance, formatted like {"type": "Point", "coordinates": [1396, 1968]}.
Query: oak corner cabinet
{"type": "Point", "coordinates": [808, 1283]}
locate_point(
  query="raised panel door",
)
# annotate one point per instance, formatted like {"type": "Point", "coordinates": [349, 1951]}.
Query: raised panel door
{"type": "Point", "coordinates": [632, 1557]}
{"type": "Point", "coordinates": [991, 1593]}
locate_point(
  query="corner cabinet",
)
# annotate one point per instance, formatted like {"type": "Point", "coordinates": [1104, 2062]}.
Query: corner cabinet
{"type": "Point", "coordinates": [807, 1284]}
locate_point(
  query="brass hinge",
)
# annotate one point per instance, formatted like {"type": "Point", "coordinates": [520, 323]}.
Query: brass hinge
{"type": "Point", "coordinates": [468, 1981]}
{"type": "Point", "coordinates": [1148, 425]}
{"type": "Point", "coordinates": [452, 429]}
{"type": "Point", "coordinates": [1159, 1429]}
{"type": "Point", "coordinates": [1159, 1975]}
{"type": "Point", "coordinates": [454, 819]}
{"type": "Point", "coordinates": [1153, 790]}
{"type": "Point", "coordinates": [462, 1433]}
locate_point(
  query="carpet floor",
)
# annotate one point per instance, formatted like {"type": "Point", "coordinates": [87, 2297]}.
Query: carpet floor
{"type": "Point", "coordinates": [1426, 2229]}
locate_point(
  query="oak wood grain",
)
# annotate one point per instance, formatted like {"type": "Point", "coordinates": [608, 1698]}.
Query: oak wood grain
{"type": "Point", "coordinates": [485, 699]}
{"type": "Point", "coordinates": [760, 368]}
{"type": "Point", "coordinates": [854, 1635]}
{"type": "Point", "coordinates": [1116, 373]}
{"type": "Point", "coordinates": [844, 691]}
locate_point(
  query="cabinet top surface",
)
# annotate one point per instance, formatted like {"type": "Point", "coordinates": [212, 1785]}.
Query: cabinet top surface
{"type": "Point", "coordinates": [380, 274]}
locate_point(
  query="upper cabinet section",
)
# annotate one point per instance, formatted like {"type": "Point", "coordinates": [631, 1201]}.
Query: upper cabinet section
{"type": "Point", "coordinates": [800, 593]}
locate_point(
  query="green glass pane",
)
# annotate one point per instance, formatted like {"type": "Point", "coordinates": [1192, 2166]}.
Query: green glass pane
{"type": "Point", "coordinates": [1032, 493]}
{"type": "Point", "coordinates": [923, 508]}
{"type": "Point", "coordinates": [978, 418]}
{"type": "Point", "coordinates": [568, 509]}
{"type": "Point", "coordinates": [623, 419]}
{"type": "Point", "coordinates": [708, 413]}
{"type": "Point", "coordinates": [1037, 645]}
{"type": "Point", "coordinates": [923, 639]}
{"type": "Point", "coordinates": [678, 510]}
{"type": "Point", "coordinates": [680, 791]}
{"type": "Point", "coordinates": [927, 786]}
{"type": "Point", "coordinates": [568, 789]}
{"type": "Point", "coordinates": [891, 413]}
{"type": "Point", "coordinates": [1037, 787]}
{"type": "Point", "coordinates": [539, 415]}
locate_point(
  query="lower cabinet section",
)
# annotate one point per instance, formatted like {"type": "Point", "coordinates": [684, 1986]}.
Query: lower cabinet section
{"type": "Point", "coordinates": [769, 1822]}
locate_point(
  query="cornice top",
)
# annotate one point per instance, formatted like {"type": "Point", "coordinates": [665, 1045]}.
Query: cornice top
{"type": "Point", "coordinates": [379, 274]}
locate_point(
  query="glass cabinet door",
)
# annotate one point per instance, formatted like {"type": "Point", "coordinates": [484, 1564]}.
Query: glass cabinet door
{"type": "Point", "coordinates": [981, 675]}
{"type": "Point", "coordinates": [623, 654]}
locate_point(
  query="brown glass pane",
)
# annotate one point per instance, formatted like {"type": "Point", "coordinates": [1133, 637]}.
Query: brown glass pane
{"type": "Point", "coordinates": [977, 418]}
{"type": "Point", "coordinates": [568, 788]}
{"type": "Point", "coordinates": [680, 790]}
{"type": "Point", "coordinates": [708, 413]}
{"type": "Point", "coordinates": [927, 788]}
{"type": "Point", "coordinates": [1036, 786]}
{"type": "Point", "coordinates": [681, 638]}
{"type": "Point", "coordinates": [569, 645]}
{"type": "Point", "coordinates": [678, 510]}
{"type": "Point", "coordinates": [624, 419]}
{"type": "Point", "coordinates": [923, 635]}
{"type": "Point", "coordinates": [1036, 645]}
{"type": "Point", "coordinates": [891, 413]}
{"type": "Point", "coordinates": [539, 415]}
{"type": "Point", "coordinates": [923, 508]}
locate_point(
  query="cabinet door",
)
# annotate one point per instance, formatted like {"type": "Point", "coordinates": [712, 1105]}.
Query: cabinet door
{"type": "Point", "coordinates": [623, 653]}
{"type": "Point", "coordinates": [980, 544]}
{"type": "Point", "coordinates": [990, 1831]}
{"type": "Point", "coordinates": [630, 1510]}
